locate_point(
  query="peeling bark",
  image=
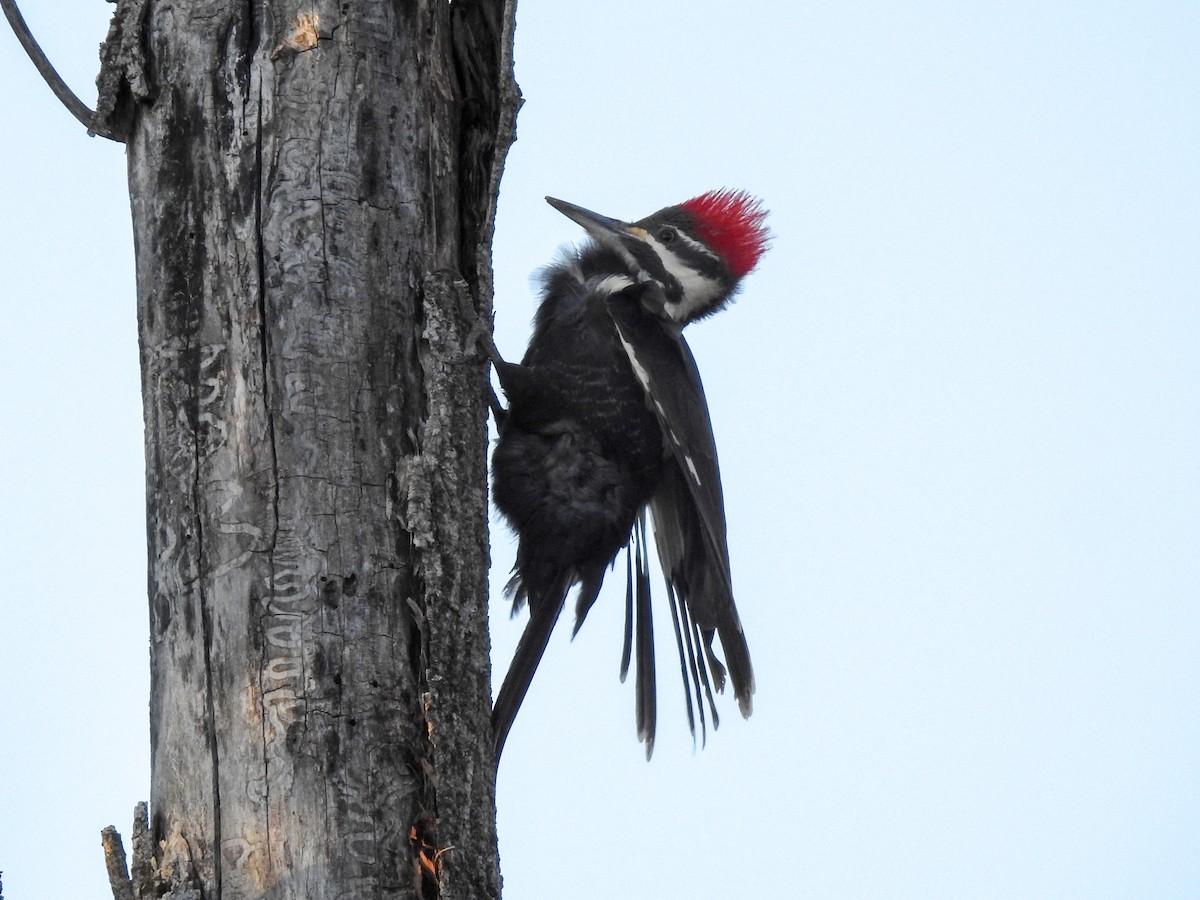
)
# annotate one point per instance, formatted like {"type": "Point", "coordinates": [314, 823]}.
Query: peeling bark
{"type": "Point", "coordinates": [313, 205]}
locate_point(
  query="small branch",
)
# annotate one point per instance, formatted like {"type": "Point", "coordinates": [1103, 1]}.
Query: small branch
{"type": "Point", "coordinates": [114, 859]}
{"type": "Point", "coordinates": [144, 871]}
{"type": "Point", "coordinates": [74, 105]}
{"type": "Point", "coordinates": [141, 880]}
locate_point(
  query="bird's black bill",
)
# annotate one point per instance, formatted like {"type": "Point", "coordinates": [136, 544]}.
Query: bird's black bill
{"type": "Point", "coordinates": [596, 225]}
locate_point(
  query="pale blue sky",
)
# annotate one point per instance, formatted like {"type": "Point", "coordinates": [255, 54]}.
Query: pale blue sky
{"type": "Point", "coordinates": [958, 409]}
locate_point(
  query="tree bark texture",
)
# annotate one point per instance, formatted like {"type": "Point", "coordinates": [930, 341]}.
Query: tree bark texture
{"type": "Point", "coordinates": [313, 193]}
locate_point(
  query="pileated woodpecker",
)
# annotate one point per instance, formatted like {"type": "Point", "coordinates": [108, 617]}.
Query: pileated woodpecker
{"type": "Point", "coordinates": [606, 419]}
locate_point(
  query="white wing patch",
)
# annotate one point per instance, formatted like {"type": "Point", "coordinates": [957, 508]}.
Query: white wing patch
{"type": "Point", "coordinates": [611, 284]}
{"type": "Point", "coordinates": [643, 378]}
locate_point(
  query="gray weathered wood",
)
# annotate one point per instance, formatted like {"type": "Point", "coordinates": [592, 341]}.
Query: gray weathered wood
{"type": "Point", "coordinates": [312, 206]}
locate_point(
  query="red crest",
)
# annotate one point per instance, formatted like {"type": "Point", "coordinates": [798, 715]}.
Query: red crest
{"type": "Point", "coordinates": [732, 223]}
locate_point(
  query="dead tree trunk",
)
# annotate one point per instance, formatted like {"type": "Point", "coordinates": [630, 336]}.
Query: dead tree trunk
{"type": "Point", "coordinates": [312, 206]}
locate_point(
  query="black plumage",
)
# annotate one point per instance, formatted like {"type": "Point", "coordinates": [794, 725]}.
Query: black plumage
{"type": "Point", "coordinates": [606, 420]}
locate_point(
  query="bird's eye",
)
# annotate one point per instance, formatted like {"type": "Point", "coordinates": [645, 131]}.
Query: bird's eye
{"type": "Point", "coordinates": [667, 235]}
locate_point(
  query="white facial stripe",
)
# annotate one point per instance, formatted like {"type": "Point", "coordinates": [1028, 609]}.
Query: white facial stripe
{"type": "Point", "coordinates": [695, 244]}
{"type": "Point", "coordinates": [698, 291]}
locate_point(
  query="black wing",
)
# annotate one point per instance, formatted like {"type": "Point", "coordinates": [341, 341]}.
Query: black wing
{"type": "Point", "coordinates": [688, 510]}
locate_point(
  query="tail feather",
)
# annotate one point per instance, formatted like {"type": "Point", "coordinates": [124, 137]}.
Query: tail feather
{"type": "Point", "coordinates": [627, 647]}
{"type": "Point", "coordinates": [687, 666]}
{"type": "Point", "coordinates": [544, 608]}
{"type": "Point", "coordinates": [589, 589]}
{"type": "Point", "coordinates": [695, 563]}
{"type": "Point", "coordinates": [647, 703]}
